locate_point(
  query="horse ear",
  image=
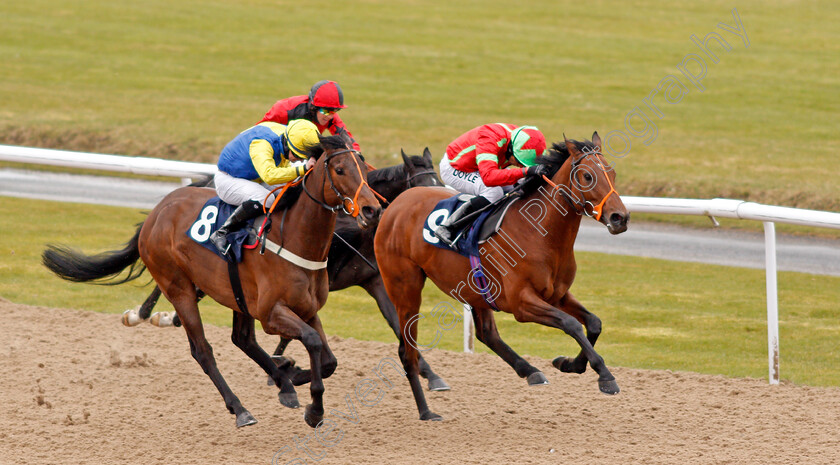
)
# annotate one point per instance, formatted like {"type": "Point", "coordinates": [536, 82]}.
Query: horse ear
{"type": "Point", "coordinates": [571, 148]}
{"type": "Point", "coordinates": [405, 157]}
{"type": "Point", "coordinates": [596, 139]}
{"type": "Point", "coordinates": [427, 154]}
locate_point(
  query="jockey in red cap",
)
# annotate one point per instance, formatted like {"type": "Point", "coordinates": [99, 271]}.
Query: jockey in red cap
{"type": "Point", "coordinates": [320, 107]}
{"type": "Point", "coordinates": [484, 160]}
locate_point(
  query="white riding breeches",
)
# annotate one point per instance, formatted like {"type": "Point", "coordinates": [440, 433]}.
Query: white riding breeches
{"type": "Point", "coordinates": [468, 183]}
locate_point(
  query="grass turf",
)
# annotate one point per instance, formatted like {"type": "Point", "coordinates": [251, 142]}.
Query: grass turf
{"type": "Point", "coordinates": [179, 79]}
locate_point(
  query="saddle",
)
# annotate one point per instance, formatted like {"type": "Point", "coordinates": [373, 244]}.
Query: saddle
{"type": "Point", "coordinates": [469, 238]}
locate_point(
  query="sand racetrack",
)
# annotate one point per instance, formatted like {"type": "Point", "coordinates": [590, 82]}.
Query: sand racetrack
{"type": "Point", "coordinates": [78, 387]}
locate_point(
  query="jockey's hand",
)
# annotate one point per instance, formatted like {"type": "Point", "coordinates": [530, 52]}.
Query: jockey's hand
{"type": "Point", "coordinates": [536, 170]}
{"type": "Point", "coordinates": [310, 163]}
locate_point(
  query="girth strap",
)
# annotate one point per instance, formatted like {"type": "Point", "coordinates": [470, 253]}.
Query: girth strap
{"type": "Point", "coordinates": [236, 285]}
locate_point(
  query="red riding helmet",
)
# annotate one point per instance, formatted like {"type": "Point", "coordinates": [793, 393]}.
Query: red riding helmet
{"type": "Point", "coordinates": [326, 94]}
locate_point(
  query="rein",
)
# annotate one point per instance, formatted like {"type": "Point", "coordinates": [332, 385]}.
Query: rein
{"type": "Point", "coordinates": [422, 173]}
{"type": "Point", "coordinates": [581, 207]}
{"type": "Point", "coordinates": [353, 208]}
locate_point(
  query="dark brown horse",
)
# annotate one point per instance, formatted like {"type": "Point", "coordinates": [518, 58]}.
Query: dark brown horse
{"type": "Point", "coordinates": [284, 296]}
{"type": "Point", "coordinates": [347, 267]}
{"type": "Point", "coordinates": [530, 262]}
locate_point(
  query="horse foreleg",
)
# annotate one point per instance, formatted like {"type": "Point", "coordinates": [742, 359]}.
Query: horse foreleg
{"type": "Point", "coordinates": [376, 289]}
{"type": "Point", "coordinates": [487, 332]}
{"type": "Point", "coordinates": [404, 284]}
{"type": "Point", "coordinates": [534, 309]}
{"type": "Point", "coordinates": [285, 322]}
{"type": "Point", "coordinates": [243, 337]}
{"type": "Point", "coordinates": [589, 321]}
{"type": "Point", "coordinates": [187, 308]}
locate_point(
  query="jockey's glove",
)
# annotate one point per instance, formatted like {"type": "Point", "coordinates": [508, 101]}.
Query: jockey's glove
{"type": "Point", "coordinates": [536, 170]}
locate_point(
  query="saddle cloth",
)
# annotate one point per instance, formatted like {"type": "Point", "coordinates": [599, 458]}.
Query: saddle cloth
{"type": "Point", "coordinates": [212, 216]}
{"type": "Point", "coordinates": [487, 223]}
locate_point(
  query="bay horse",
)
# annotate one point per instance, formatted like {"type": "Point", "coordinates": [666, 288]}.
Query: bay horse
{"type": "Point", "coordinates": [284, 296]}
{"type": "Point", "coordinates": [345, 267]}
{"type": "Point", "coordinates": [532, 258]}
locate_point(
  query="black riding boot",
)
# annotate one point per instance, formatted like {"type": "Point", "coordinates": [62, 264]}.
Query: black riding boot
{"type": "Point", "coordinates": [249, 209]}
{"type": "Point", "coordinates": [447, 229]}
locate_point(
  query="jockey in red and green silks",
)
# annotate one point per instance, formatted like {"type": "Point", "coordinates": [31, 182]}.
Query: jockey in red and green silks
{"type": "Point", "coordinates": [483, 161]}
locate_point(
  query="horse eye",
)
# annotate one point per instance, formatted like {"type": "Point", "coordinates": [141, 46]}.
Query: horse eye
{"type": "Point", "coordinates": [587, 177]}
{"type": "Point", "coordinates": [339, 171]}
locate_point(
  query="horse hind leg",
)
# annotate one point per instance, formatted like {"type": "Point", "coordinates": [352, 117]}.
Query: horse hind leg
{"type": "Point", "coordinates": [278, 357]}
{"type": "Point", "coordinates": [376, 289]}
{"type": "Point", "coordinates": [135, 316]}
{"type": "Point", "coordinates": [243, 337]}
{"type": "Point", "coordinates": [167, 319]}
{"type": "Point", "coordinates": [487, 332]}
{"type": "Point", "coordinates": [185, 304]}
{"type": "Point", "coordinates": [593, 329]}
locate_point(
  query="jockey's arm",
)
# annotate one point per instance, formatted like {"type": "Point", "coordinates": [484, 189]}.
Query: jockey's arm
{"type": "Point", "coordinates": [492, 175]}
{"type": "Point", "coordinates": [262, 155]}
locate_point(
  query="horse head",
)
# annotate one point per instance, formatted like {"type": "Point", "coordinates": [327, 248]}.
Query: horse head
{"type": "Point", "coordinates": [588, 182]}
{"type": "Point", "coordinates": [343, 182]}
{"type": "Point", "coordinates": [420, 170]}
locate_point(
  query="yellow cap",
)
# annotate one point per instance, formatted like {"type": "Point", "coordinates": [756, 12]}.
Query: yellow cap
{"type": "Point", "coordinates": [302, 136]}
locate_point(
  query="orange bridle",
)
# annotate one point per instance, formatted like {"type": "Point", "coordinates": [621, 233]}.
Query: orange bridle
{"type": "Point", "coordinates": [597, 210]}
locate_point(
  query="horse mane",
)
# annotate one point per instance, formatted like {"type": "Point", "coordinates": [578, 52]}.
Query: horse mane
{"type": "Point", "coordinates": [386, 175]}
{"type": "Point", "coordinates": [557, 155]}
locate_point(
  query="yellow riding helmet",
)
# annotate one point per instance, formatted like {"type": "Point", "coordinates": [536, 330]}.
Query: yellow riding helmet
{"type": "Point", "coordinates": [301, 136]}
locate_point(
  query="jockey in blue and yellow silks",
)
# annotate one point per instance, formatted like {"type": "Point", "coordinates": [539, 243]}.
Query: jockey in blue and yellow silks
{"type": "Point", "coordinates": [259, 157]}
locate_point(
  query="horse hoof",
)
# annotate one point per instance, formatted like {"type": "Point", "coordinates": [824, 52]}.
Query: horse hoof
{"type": "Point", "coordinates": [131, 317]}
{"type": "Point", "coordinates": [245, 419]}
{"type": "Point", "coordinates": [162, 319]}
{"type": "Point", "coordinates": [430, 416]}
{"type": "Point", "coordinates": [438, 384]}
{"type": "Point", "coordinates": [537, 378]}
{"type": "Point", "coordinates": [288, 399]}
{"type": "Point", "coordinates": [608, 387]}
{"type": "Point", "coordinates": [311, 418]}
{"type": "Point", "coordinates": [567, 365]}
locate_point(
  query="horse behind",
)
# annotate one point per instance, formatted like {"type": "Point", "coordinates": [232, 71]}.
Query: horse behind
{"type": "Point", "coordinates": [530, 263]}
{"type": "Point", "coordinates": [283, 296]}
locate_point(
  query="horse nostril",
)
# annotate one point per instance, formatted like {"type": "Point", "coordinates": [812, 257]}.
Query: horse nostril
{"type": "Point", "coordinates": [371, 213]}
{"type": "Point", "coordinates": [617, 219]}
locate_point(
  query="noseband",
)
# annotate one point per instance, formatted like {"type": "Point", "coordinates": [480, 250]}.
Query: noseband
{"type": "Point", "coordinates": [348, 205]}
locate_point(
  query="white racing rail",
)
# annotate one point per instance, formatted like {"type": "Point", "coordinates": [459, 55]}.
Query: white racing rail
{"type": "Point", "coordinates": [724, 208]}
{"type": "Point", "coordinates": [95, 161]}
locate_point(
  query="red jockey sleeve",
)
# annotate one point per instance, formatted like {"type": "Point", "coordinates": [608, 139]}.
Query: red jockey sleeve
{"type": "Point", "coordinates": [493, 176]}
{"type": "Point", "coordinates": [279, 112]}
{"type": "Point", "coordinates": [489, 148]}
{"type": "Point", "coordinates": [337, 127]}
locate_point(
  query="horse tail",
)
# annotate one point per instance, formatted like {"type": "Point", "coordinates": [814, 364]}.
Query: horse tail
{"type": "Point", "coordinates": [102, 268]}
